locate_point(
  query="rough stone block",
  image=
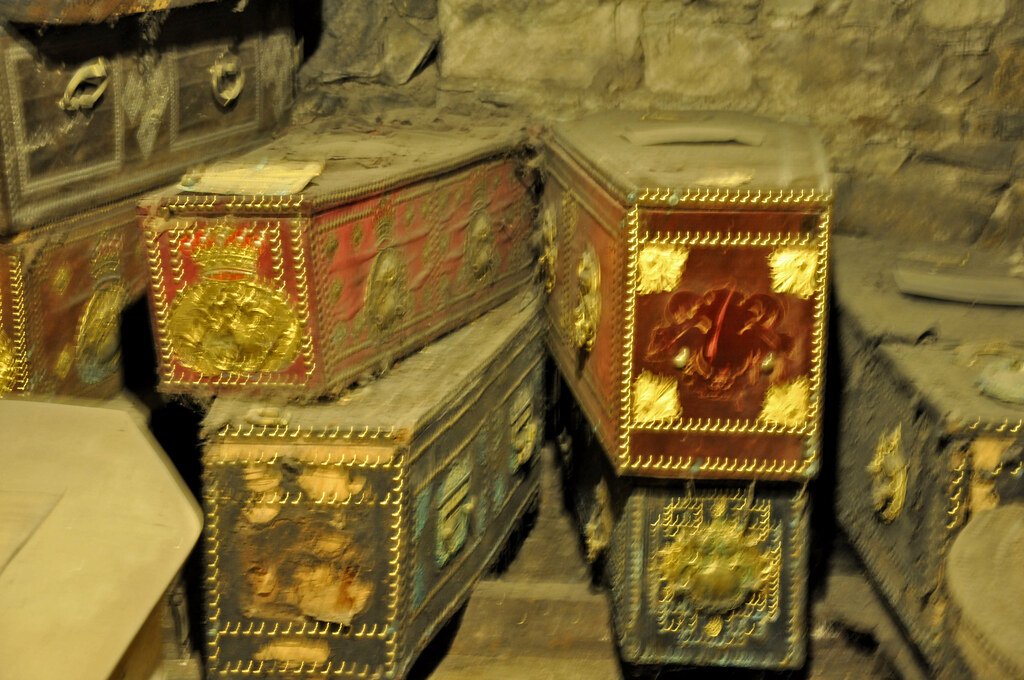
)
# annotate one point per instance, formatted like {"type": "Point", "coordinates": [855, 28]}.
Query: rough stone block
{"type": "Point", "coordinates": [960, 14]}
{"type": "Point", "coordinates": [789, 8]}
{"type": "Point", "coordinates": [699, 60]}
{"type": "Point", "coordinates": [568, 43]}
{"type": "Point", "coordinates": [1006, 225]}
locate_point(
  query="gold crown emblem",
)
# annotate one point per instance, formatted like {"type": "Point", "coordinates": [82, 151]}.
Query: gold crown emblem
{"type": "Point", "coordinates": [106, 260]}
{"type": "Point", "coordinates": [224, 249]}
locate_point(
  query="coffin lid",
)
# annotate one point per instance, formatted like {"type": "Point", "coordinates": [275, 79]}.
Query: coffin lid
{"type": "Point", "coordinates": [950, 380]}
{"type": "Point", "coordinates": [363, 160]}
{"type": "Point", "coordinates": [94, 525]}
{"type": "Point", "coordinates": [695, 149]}
{"type": "Point", "coordinates": [413, 392]}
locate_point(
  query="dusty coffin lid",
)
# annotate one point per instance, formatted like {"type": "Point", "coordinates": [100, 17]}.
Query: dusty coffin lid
{"type": "Point", "coordinates": [694, 149]}
{"type": "Point", "coordinates": [94, 524]}
{"type": "Point", "coordinates": [359, 160]}
{"type": "Point", "coordinates": [413, 392]}
{"type": "Point", "coordinates": [952, 381]}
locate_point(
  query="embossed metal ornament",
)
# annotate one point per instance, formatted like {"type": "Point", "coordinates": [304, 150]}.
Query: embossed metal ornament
{"type": "Point", "coordinates": [888, 471]}
{"type": "Point", "coordinates": [231, 321]}
{"type": "Point", "coordinates": [548, 260]}
{"type": "Point", "coordinates": [481, 251]}
{"type": "Point", "coordinates": [588, 309]}
{"type": "Point", "coordinates": [794, 271]}
{"type": "Point", "coordinates": [524, 428]}
{"type": "Point", "coordinates": [97, 341]}
{"type": "Point", "coordinates": [660, 267]}
{"type": "Point", "coordinates": [716, 565]}
{"type": "Point", "coordinates": [387, 290]}
{"type": "Point", "coordinates": [454, 506]}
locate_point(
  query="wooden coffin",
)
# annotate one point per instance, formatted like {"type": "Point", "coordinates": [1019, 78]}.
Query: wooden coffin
{"type": "Point", "coordinates": [405, 234]}
{"type": "Point", "coordinates": [94, 114]}
{"type": "Point", "coordinates": [81, 11]}
{"type": "Point", "coordinates": [62, 290]}
{"type": "Point", "coordinates": [921, 445]}
{"type": "Point", "coordinates": [701, 573]}
{"type": "Point", "coordinates": [341, 536]}
{"type": "Point", "coordinates": [686, 259]}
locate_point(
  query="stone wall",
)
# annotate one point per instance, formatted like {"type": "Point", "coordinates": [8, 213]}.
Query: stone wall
{"type": "Point", "coordinates": [919, 101]}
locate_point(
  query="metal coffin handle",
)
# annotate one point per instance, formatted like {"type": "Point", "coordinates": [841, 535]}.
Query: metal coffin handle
{"type": "Point", "coordinates": [86, 86]}
{"type": "Point", "coordinates": [227, 79]}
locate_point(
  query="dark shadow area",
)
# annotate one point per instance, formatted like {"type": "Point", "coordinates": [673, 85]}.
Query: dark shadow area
{"type": "Point", "coordinates": [175, 425]}
{"type": "Point", "coordinates": [309, 24]}
{"type": "Point", "coordinates": [435, 652]}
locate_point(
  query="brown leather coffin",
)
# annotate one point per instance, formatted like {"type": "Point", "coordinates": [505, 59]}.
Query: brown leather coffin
{"type": "Point", "coordinates": [81, 11]}
{"type": "Point", "coordinates": [62, 289]}
{"type": "Point", "coordinates": [407, 233]}
{"type": "Point", "coordinates": [94, 114]}
{"type": "Point", "coordinates": [342, 535]}
{"type": "Point", "coordinates": [686, 259]}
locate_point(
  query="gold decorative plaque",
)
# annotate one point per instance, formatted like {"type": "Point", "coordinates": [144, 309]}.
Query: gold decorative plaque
{"type": "Point", "coordinates": [525, 430]}
{"type": "Point", "coordinates": [588, 310]}
{"type": "Point", "coordinates": [98, 342]}
{"type": "Point", "coordinates": [788, 404]}
{"type": "Point", "coordinates": [231, 320]}
{"type": "Point", "coordinates": [718, 564]}
{"type": "Point", "coordinates": [660, 267]}
{"type": "Point", "coordinates": [888, 471]}
{"type": "Point", "coordinates": [794, 271]}
{"type": "Point", "coordinates": [656, 398]}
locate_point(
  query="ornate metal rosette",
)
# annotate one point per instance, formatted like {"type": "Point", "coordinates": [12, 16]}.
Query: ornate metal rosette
{"type": "Point", "coordinates": [715, 574]}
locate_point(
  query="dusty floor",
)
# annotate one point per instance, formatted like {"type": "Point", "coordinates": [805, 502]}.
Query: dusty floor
{"type": "Point", "coordinates": [542, 619]}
